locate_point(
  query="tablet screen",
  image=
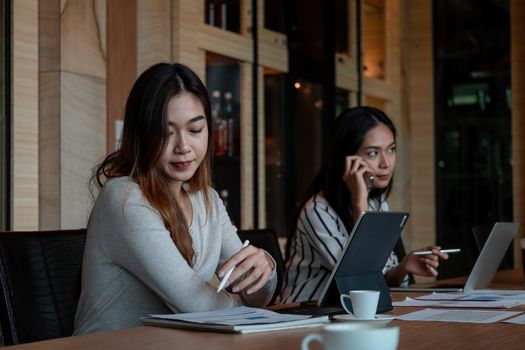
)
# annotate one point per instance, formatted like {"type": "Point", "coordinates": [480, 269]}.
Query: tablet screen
{"type": "Point", "coordinates": [370, 244]}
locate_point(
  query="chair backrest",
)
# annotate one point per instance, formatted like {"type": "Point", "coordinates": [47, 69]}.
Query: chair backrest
{"type": "Point", "coordinates": [481, 234]}
{"type": "Point", "coordinates": [40, 283]}
{"type": "Point", "coordinates": [399, 250]}
{"type": "Point", "coordinates": [267, 239]}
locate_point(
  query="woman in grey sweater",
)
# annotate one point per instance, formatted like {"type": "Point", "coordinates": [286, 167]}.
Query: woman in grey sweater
{"type": "Point", "coordinates": [158, 233]}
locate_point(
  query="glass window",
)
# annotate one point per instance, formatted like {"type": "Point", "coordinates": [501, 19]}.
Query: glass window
{"type": "Point", "coordinates": [342, 101]}
{"type": "Point", "coordinates": [224, 14]}
{"type": "Point", "coordinates": [309, 30]}
{"type": "Point", "coordinates": [373, 36]}
{"type": "Point", "coordinates": [274, 143]}
{"type": "Point", "coordinates": [306, 131]}
{"type": "Point", "coordinates": [274, 15]}
{"type": "Point", "coordinates": [223, 84]}
{"type": "Point", "coordinates": [342, 30]}
{"type": "Point", "coordinates": [473, 124]}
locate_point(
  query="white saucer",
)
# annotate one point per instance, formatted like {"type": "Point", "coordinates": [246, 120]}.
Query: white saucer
{"type": "Point", "coordinates": [378, 320]}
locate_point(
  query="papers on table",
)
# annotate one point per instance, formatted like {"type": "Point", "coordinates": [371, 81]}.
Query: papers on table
{"type": "Point", "coordinates": [469, 316]}
{"type": "Point", "coordinates": [235, 320]}
{"type": "Point", "coordinates": [516, 320]}
{"type": "Point", "coordinates": [478, 295]}
{"type": "Point", "coordinates": [497, 304]}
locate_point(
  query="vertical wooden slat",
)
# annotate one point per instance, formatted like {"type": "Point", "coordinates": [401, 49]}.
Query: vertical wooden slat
{"type": "Point", "coordinates": [24, 176]}
{"type": "Point", "coordinates": [49, 114]}
{"type": "Point", "coordinates": [121, 60]}
{"type": "Point", "coordinates": [247, 136]}
{"type": "Point", "coordinates": [421, 101]}
{"type": "Point", "coordinates": [153, 32]}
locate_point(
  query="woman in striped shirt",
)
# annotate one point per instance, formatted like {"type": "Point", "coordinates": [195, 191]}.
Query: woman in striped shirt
{"type": "Point", "coordinates": [357, 177]}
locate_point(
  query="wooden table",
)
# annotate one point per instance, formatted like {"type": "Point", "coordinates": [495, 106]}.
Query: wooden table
{"type": "Point", "coordinates": [414, 335]}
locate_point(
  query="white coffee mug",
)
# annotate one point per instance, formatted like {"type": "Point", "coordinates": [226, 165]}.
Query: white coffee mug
{"type": "Point", "coordinates": [364, 303]}
{"type": "Point", "coordinates": [345, 336]}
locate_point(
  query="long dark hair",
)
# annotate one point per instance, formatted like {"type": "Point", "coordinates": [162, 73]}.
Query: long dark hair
{"type": "Point", "coordinates": [348, 132]}
{"type": "Point", "coordinates": [145, 135]}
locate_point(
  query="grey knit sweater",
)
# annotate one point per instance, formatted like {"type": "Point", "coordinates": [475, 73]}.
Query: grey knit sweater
{"type": "Point", "coordinates": [132, 268]}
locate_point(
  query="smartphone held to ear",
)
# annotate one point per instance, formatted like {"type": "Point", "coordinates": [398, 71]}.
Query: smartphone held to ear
{"type": "Point", "coordinates": [369, 180]}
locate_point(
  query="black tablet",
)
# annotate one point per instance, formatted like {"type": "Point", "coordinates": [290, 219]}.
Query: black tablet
{"type": "Point", "coordinates": [361, 264]}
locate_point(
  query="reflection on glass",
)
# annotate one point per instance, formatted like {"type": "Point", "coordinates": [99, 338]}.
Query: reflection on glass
{"type": "Point", "coordinates": [473, 124]}
{"type": "Point", "coordinates": [376, 102]}
{"type": "Point", "coordinates": [342, 101]}
{"type": "Point", "coordinates": [306, 140]}
{"type": "Point", "coordinates": [308, 30]}
{"type": "Point", "coordinates": [274, 94]}
{"type": "Point", "coordinates": [342, 29]}
{"type": "Point", "coordinates": [222, 82]}
{"type": "Point", "coordinates": [274, 15]}
{"type": "Point", "coordinates": [373, 36]}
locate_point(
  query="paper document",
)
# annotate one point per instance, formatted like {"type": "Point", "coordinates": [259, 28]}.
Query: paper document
{"type": "Point", "coordinates": [498, 304]}
{"type": "Point", "coordinates": [505, 294]}
{"type": "Point", "coordinates": [468, 316]}
{"type": "Point", "coordinates": [476, 296]}
{"type": "Point", "coordinates": [516, 320]}
{"type": "Point", "coordinates": [233, 316]}
{"type": "Point", "coordinates": [235, 320]}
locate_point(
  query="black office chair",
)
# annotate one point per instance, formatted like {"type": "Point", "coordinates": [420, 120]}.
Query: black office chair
{"type": "Point", "coordinates": [481, 234]}
{"type": "Point", "coordinates": [40, 283]}
{"type": "Point", "coordinates": [267, 239]}
{"type": "Point", "coordinates": [400, 252]}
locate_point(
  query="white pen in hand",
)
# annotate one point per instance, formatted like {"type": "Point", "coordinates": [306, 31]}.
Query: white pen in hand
{"type": "Point", "coordinates": [230, 271]}
{"type": "Point", "coordinates": [428, 252]}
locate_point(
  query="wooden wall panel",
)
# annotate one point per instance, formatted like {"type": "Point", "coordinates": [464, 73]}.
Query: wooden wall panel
{"type": "Point", "coordinates": [83, 124]}
{"type": "Point", "coordinates": [400, 198]}
{"type": "Point", "coordinates": [273, 50]}
{"type": "Point", "coordinates": [226, 43]}
{"type": "Point", "coordinates": [187, 23]}
{"type": "Point", "coordinates": [82, 104]}
{"type": "Point", "coordinates": [72, 108]}
{"type": "Point", "coordinates": [261, 146]}
{"type": "Point", "coordinates": [402, 187]}
{"type": "Point", "coordinates": [517, 33]}
{"type": "Point", "coordinates": [83, 37]}
{"type": "Point", "coordinates": [49, 114]}
{"type": "Point", "coordinates": [24, 156]}
{"type": "Point", "coordinates": [420, 70]}
{"type": "Point", "coordinates": [121, 61]}
{"type": "Point", "coordinates": [153, 33]}
{"type": "Point", "coordinates": [49, 150]}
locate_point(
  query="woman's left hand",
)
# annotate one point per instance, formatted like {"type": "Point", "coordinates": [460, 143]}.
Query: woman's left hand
{"type": "Point", "coordinates": [424, 265]}
{"type": "Point", "coordinates": [253, 268]}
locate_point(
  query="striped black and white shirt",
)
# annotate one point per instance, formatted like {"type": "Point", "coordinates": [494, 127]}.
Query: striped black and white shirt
{"type": "Point", "coordinates": [319, 238]}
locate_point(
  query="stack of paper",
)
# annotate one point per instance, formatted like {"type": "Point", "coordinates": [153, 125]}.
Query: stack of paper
{"type": "Point", "coordinates": [496, 304]}
{"type": "Point", "coordinates": [470, 316]}
{"type": "Point", "coordinates": [235, 320]}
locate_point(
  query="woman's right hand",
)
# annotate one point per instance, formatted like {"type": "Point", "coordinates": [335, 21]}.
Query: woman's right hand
{"type": "Point", "coordinates": [353, 176]}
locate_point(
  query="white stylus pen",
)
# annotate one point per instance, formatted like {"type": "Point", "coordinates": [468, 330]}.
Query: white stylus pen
{"type": "Point", "coordinates": [230, 271]}
{"type": "Point", "coordinates": [427, 252]}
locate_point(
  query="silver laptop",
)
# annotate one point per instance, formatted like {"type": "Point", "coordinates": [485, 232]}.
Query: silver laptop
{"type": "Point", "coordinates": [486, 265]}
